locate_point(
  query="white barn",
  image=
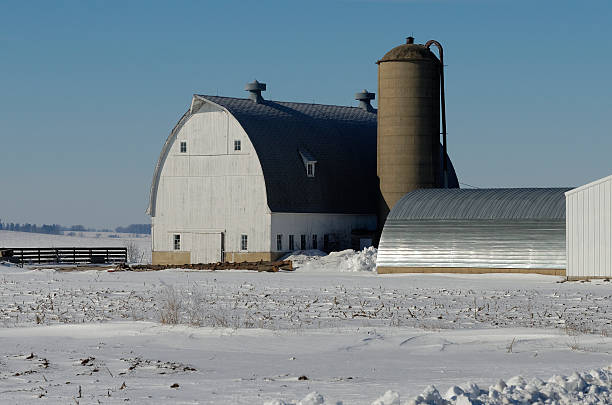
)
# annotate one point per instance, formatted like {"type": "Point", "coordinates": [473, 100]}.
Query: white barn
{"type": "Point", "coordinates": [589, 230]}
{"type": "Point", "coordinates": [250, 179]}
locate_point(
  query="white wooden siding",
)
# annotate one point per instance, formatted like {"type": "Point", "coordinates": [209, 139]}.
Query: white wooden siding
{"type": "Point", "coordinates": [339, 225]}
{"type": "Point", "coordinates": [589, 230]}
{"type": "Point", "coordinates": [211, 189]}
{"type": "Point", "coordinates": [206, 247]}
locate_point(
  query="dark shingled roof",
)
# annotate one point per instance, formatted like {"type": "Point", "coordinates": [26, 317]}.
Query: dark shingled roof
{"type": "Point", "coordinates": [341, 139]}
{"type": "Point", "coordinates": [473, 204]}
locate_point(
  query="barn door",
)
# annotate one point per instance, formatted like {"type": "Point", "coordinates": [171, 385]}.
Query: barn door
{"type": "Point", "coordinates": [206, 248]}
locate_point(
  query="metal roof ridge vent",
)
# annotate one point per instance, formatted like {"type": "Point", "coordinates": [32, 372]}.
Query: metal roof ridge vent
{"type": "Point", "coordinates": [255, 88]}
{"type": "Point", "coordinates": [364, 98]}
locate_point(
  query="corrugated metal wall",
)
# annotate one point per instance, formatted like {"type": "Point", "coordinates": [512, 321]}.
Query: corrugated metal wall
{"type": "Point", "coordinates": [589, 230]}
{"type": "Point", "coordinates": [528, 244]}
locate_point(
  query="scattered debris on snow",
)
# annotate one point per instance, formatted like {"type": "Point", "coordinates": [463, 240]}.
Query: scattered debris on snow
{"type": "Point", "coordinates": [330, 319]}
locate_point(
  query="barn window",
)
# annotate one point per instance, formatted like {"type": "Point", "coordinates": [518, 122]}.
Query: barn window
{"type": "Point", "coordinates": [326, 242]}
{"type": "Point", "coordinates": [237, 144]}
{"type": "Point", "coordinates": [177, 242]}
{"type": "Point", "coordinates": [303, 242]}
{"type": "Point", "coordinates": [310, 169]}
{"type": "Point", "coordinates": [243, 242]}
{"type": "Point", "coordinates": [279, 242]}
{"type": "Point", "coordinates": [314, 241]}
{"type": "Point", "coordinates": [309, 162]}
{"type": "Point", "coordinates": [183, 147]}
{"type": "Point", "coordinates": [291, 243]}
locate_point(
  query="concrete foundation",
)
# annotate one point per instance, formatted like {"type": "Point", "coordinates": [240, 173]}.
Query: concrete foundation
{"type": "Point", "coordinates": [183, 257]}
{"type": "Point", "coordinates": [171, 257]}
{"type": "Point", "coordinates": [468, 270]}
{"type": "Point", "coordinates": [583, 278]}
{"type": "Point", "coordinates": [237, 257]}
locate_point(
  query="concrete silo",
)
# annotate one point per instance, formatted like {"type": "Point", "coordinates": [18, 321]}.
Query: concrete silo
{"type": "Point", "coordinates": [408, 152]}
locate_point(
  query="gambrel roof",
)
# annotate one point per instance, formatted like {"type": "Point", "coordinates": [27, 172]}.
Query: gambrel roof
{"type": "Point", "coordinates": [342, 141]}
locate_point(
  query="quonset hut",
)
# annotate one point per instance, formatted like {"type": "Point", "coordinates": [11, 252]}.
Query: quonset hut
{"type": "Point", "coordinates": [519, 230]}
{"type": "Point", "coordinates": [250, 179]}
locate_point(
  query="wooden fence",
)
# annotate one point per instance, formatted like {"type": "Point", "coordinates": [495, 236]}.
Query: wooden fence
{"type": "Point", "coordinates": [74, 255]}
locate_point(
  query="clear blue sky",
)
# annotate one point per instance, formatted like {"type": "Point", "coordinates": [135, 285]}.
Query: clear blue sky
{"type": "Point", "coordinates": [89, 90]}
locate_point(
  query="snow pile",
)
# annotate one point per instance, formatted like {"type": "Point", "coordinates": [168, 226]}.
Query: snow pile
{"type": "Point", "coordinates": [301, 257]}
{"type": "Point", "coordinates": [343, 261]}
{"type": "Point", "coordinates": [314, 398]}
{"type": "Point", "coordinates": [389, 398]}
{"type": "Point", "coordinates": [593, 387]}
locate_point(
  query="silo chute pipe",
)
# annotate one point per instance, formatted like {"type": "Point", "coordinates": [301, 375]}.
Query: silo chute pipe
{"type": "Point", "coordinates": [428, 44]}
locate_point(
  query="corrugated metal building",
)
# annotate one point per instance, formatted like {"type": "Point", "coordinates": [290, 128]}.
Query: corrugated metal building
{"type": "Point", "coordinates": [589, 230]}
{"type": "Point", "coordinates": [518, 230]}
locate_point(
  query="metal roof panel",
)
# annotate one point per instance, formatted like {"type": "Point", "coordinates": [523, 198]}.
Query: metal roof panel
{"type": "Point", "coordinates": [502, 203]}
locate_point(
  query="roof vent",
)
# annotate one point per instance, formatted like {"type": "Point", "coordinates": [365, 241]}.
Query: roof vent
{"type": "Point", "coordinates": [255, 90]}
{"type": "Point", "coordinates": [364, 100]}
{"type": "Point", "coordinates": [410, 40]}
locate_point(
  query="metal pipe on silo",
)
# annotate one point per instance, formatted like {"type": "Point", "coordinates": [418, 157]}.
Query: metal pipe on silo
{"type": "Point", "coordinates": [428, 44]}
{"type": "Point", "coordinates": [408, 150]}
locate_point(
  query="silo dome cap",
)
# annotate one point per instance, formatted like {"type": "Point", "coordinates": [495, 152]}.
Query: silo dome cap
{"type": "Point", "coordinates": [409, 52]}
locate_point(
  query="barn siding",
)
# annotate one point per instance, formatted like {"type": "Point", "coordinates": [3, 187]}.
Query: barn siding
{"type": "Point", "coordinates": [338, 225]}
{"type": "Point", "coordinates": [211, 189]}
{"type": "Point", "coordinates": [589, 230]}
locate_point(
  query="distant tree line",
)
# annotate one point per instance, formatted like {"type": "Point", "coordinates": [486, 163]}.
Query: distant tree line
{"type": "Point", "coordinates": [134, 228]}
{"type": "Point", "coordinates": [56, 229]}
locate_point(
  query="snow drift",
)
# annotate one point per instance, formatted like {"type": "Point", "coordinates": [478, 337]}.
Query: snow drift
{"type": "Point", "coordinates": [343, 261]}
{"type": "Point", "coordinates": [593, 387]}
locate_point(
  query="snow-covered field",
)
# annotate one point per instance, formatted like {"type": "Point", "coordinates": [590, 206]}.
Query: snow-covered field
{"type": "Point", "coordinates": [239, 337]}
{"type": "Point", "coordinates": [83, 239]}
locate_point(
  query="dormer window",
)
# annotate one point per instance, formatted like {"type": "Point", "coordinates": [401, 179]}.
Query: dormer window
{"type": "Point", "coordinates": [309, 162]}
{"type": "Point", "coordinates": [310, 169]}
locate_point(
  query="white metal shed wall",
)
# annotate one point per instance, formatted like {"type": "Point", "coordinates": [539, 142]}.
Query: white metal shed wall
{"type": "Point", "coordinates": [589, 230]}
